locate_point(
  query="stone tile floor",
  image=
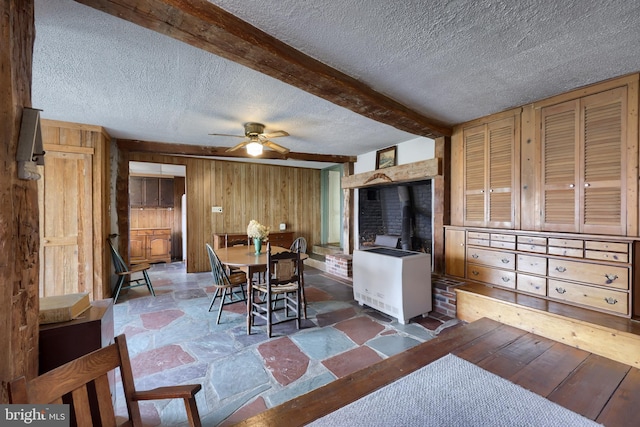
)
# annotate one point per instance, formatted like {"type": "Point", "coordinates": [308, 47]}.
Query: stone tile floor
{"type": "Point", "coordinates": [174, 339]}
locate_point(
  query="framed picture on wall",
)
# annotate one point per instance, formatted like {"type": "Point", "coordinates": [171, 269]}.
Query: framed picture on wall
{"type": "Point", "coordinates": [386, 157]}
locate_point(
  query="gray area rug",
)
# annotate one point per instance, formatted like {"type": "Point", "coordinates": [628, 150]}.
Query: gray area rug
{"type": "Point", "coordinates": [453, 392]}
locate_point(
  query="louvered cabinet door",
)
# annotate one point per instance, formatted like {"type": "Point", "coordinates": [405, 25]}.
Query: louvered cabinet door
{"type": "Point", "coordinates": [603, 185]}
{"type": "Point", "coordinates": [474, 176]}
{"type": "Point", "coordinates": [560, 181]}
{"type": "Point", "coordinates": [501, 146]}
{"type": "Point", "coordinates": [584, 164]}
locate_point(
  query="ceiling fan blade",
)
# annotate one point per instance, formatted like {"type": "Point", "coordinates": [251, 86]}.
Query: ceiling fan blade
{"type": "Point", "coordinates": [274, 134]}
{"type": "Point", "coordinates": [226, 134]}
{"type": "Point", "coordinates": [279, 148]}
{"type": "Point", "coordinates": [236, 147]}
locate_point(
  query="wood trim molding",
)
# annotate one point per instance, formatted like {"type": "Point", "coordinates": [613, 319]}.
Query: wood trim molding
{"type": "Point", "coordinates": [208, 27]}
{"type": "Point", "coordinates": [394, 175]}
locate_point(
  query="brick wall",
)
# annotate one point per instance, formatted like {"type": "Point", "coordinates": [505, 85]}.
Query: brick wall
{"type": "Point", "coordinates": [444, 295]}
{"type": "Point", "coordinates": [339, 265]}
{"type": "Point", "coordinates": [380, 212]}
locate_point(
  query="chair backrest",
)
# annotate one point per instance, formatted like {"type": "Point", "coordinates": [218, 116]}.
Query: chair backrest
{"type": "Point", "coordinates": [299, 245]}
{"type": "Point", "coordinates": [218, 272]}
{"type": "Point", "coordinates": [283, 267]}
{"type": "Point", "coordinates": [75, 380]}
{"type": "Point", "coordinates": [118, 262]}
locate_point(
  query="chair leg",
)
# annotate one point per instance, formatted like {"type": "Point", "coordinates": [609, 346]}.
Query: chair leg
{"type": "Point", "coordinates": [118, 288]}
{"type": "Point", "coordinates": [148, 282]}
{"type": "Point", "coordinates": [213, 299]}
{"type": "Point", "coordinates": [222, 296]}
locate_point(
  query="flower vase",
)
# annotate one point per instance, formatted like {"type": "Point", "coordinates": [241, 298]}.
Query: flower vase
{"type": "Point", "coordinates": [257, 243]}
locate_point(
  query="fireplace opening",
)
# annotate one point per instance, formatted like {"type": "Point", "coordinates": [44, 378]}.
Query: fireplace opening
{"type": "Point", "coordinates": [402, 210]}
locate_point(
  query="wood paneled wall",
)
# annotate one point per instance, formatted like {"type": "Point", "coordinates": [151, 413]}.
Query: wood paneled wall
{"type": "Point", "coordinates": [269, 194]}
{"type": "Point", "coordinates": [18, 203]}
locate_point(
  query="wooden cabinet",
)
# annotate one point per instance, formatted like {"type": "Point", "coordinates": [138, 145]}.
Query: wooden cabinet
{"type": "Point", "coordinates": [62, 342]}
{"type": "Point", "coordinates": [150, 192]}
{"type": "Point", "coordinates": [584, 164]}
{"type": "Point", "coordinates": [585, 270]}
{"type": "Point", "coordinates": [283, 239]}
{"type": "Point", "coordinates": [150, 245]}
{"type": "Point", "coordinates": [489, 152]}
{"type": "Point", "coordinates": [454, 252]}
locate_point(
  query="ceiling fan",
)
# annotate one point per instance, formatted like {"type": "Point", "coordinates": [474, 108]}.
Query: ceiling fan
{"type": "Point", "coordinates": [257, 139]}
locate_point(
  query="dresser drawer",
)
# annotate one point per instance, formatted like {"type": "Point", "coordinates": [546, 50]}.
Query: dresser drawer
{"type": "Point", "coordinates": [499, 259]}
{"type": "Point", "coordinates": [503, 245]}
{"type": "Point", "coordinates": [527, 247]}
{"type": "Point", "coordinates": [532, 240]}
{"type": "Point", "coordinates": [533, 284]}
{"type": "Point", "coordinates": [572, 252]}
{"type": "Point", "coordinates": [603, 299]}
{"type": "Point", "coordinates": [566, 243]}
{"type": "Point", "coordinates": [532, 264]}
{"type": "Point", "coordinates": [494, 276]}
{"type": "Point", "coordinates": [478, 242]}
{"type": "Point", "coordinates": [603, 275]}
{"type": "Point", "coordinates": [478, 235]}
{"type": "Point", "coordinates": [607, 251]}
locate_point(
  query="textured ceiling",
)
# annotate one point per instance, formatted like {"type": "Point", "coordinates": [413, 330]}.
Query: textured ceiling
{"type": "Point", "coordinates": [449, 60]}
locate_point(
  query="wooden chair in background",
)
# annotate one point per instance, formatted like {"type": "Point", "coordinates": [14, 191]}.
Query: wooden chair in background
{"type": "Point", "coordinates": [282, 278]}
{"type": "Point", "coordinates": [125, 272]}
{"type": "Point", "coordinates": [224, 281]}
{"type": "Point", "coordinates": [86, 379]}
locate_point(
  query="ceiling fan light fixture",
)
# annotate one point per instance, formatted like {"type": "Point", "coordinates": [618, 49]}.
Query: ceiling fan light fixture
{"type": "Point", "coordinates": [254, 148]}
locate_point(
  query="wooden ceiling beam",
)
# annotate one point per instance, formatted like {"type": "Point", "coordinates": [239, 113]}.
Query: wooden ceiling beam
{"type": "Point", "coordinates": [208, 27]}
{"type": "Point", "coordinates": [138, 146]}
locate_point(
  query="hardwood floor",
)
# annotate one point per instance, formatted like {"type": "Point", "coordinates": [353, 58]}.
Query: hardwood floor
{"type": "Point", "coordinates": [598, 388]}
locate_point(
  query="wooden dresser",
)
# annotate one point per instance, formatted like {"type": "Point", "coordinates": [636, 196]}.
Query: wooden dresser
{"type": "Point", "coordinates": [283, 239]}
{"type": "Point", "coordinates": [591, 271]}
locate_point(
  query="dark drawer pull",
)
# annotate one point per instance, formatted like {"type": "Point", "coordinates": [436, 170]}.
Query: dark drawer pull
{"type": "Point", "coordinates": [611, 277]}
{"type": "Point", "coordinates": [475, 256]}
{"type": "Point", "coordinates": [611, 300]}
{"type": "Point", "coordinates": [505, 279]}
{"type": "Point", "coordinates": [561, 290]}
{"type": "Point", "coordinates": [505, 260]}
{"type": "Point", "coordinates": [474, 272]}
{"type": "Point", "coordinates": [561, 269]}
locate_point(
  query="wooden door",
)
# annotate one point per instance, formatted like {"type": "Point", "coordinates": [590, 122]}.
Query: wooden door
{"type": "Point", "coordinates": [584, 164]}
{"type": "Point", "coordinates": [65, 193]}
{"type": "Point", "coordinates": [489, 164]}
{"type": "Point", "coordinates": [560, 180]}
{"type": "Point", "coordinates": [500, 176]}
{"type": "Point", "coordinates": [137, 247]}
{"type": "Point", "coordinates": [474, 176]}
{"type": "Point", "coordinates": [454, 252]}
{"type": "Point", "coordinates": [603, 165]}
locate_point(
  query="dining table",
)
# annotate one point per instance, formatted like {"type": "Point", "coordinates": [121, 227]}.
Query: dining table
{"type": "Point", "coordinates": [245, 259]}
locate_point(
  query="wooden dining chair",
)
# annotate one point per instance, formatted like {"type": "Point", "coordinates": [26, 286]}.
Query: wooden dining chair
{"type": "Point", "coordinates": [83, 383]}
{"type": "Point", "coordinates": [125, 272]}
{"type": "Point", "coordinates": [224, 282]}
{"type": "Point", "coordinates": [282, 278]}
{"type": "Point", "coordinates": [299, 245]}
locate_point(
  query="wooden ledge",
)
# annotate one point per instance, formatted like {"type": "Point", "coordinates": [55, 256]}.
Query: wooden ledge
{"type": "Point", "coordinates": [609, 336]}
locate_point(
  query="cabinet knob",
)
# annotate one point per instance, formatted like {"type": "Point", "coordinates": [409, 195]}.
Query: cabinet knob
{"type": "Point", "coordinates": [45, 241]}
{"type": "Point", "coordinates": [560, 269]}
{"type": "Point", "coordinates": [505, 260]}
{"type": "Point", "coordinates": [491, 191]}
{"type": "Point", "coordinates": [461, 244]}
{"type": "Point", "coordinates": [586, 184]}
{"type": "Point", "coordinates": [611, 300]}
{"type": "Point", "coordinates": [561, 290]}
{"type": "Point", "coordinates": [475, 256]}
{"type": "Point", "coordinates": [505, 279]}
{"type": "Point", "coordinates": [571, 185]}
{"type": "Point", "coordinates": [475, 273]}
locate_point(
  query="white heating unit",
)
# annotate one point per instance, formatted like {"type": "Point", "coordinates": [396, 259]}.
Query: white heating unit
{"type": "Point", "coordinates": [393, 281]}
